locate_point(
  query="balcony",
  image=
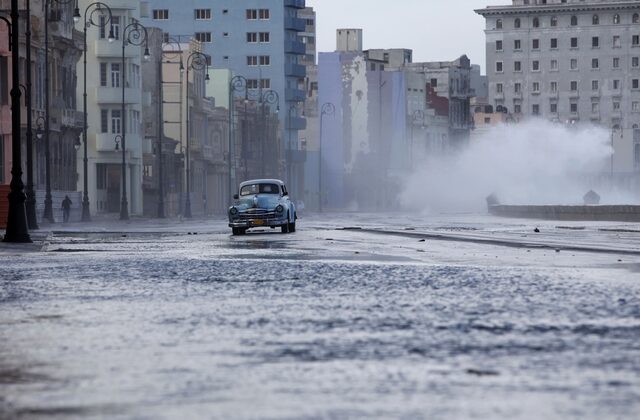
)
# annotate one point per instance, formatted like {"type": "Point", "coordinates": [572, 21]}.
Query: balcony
{"type": "Point", "coordinates": [72, 118]}
{"type": "Point", "coordinates": [294, 47]}
{"type": "Point", "coordinates": [104, 48]}
{"type": "Point", "coordinates": [295, 24]}
{"type": "Point", "coordinates": [297, 4]}
{"type": "Point", "coordinates": [294, 95]}
{"type": "Point", "coordinates": [105, 142]}
{"type": "Point", "coordinates": [107, 95]}
{"type": "Point", "coordinates": [295, 70]}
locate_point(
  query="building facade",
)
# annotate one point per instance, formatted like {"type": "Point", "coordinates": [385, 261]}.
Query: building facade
{"type": "Point", "coordinates": [569, 61]}
{"type": "Point", "coordinates": [106, 77]}
{"type": "Point", "coordinates": [257, 39]}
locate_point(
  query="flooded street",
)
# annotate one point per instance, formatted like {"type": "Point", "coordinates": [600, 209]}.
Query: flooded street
{"type": "Point", "coordinates": [489, 321]}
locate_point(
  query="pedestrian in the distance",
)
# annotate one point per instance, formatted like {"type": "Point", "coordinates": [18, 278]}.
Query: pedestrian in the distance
{"type": "Point", "coordinates": [66, 208]}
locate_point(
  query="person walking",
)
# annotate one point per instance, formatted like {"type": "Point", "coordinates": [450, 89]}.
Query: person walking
{"type": "Point", "coordinates": [66, 208]}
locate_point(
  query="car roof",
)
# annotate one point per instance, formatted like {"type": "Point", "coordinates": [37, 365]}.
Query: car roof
{"type": "Point", "coordinates": [261, 181]}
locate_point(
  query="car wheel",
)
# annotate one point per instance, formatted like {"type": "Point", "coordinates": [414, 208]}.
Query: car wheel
{"type": "Point", "coordinates": [285, 228]}
{"type": "Point", "coordinates": [292, 227]}
{"type": "Point", "coordinates": [235, 231]}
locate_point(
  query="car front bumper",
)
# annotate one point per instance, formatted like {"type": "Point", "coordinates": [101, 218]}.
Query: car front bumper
{"type": "Point", "coordinates": [251, 223]}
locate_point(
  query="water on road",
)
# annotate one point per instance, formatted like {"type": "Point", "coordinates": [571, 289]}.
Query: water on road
{"type": "Point", "coordinates": [322, 323]}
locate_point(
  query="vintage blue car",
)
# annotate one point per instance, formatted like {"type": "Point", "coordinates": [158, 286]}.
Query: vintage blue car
{"type": "Point", "coordinates": [262, 203]}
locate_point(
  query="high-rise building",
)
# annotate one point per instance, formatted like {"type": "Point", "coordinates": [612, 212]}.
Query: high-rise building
{"type": "Point", "coordinates": [256, 39]}
{"type": "Point", "coordinates": [569, 61]}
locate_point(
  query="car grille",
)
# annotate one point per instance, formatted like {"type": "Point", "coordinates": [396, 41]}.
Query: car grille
{"type": "Point", "coordinates": [256, 214]}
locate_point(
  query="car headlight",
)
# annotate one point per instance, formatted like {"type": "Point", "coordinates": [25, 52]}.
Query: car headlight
{"type": "Point", "coordinates": [279, 208]}
{"type": "Point", "coordinates": [233, 211]}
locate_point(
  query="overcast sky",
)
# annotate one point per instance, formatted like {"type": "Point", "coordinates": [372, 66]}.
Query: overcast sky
{"type": "Point", "coordinates": [436, 30]}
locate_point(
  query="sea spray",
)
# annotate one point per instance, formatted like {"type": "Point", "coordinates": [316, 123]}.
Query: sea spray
{"type": "Point", "coordinates": [536, 162]}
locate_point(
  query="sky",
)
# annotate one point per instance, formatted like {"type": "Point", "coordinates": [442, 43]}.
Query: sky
{"type": "Point", "coordinates": [436, 30]}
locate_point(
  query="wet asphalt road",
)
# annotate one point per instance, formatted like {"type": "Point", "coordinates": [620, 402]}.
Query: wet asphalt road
{"type": "Point", "coordinates": [322, 323]}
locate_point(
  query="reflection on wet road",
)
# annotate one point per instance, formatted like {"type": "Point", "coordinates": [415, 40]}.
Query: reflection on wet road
{"type": "Point", "coordinates": [321, 323]}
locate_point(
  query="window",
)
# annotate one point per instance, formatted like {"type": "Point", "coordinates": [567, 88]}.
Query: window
{"type": "Point", "coordinates": [252, 14]}
{"type": "Point", "coordinates": [616, 84]}
{"type": "Point", "coordinates": [574, 20]}
{"type": "Point", "coordinates": [616, 105]}
{"type": "Point", "coordinates": [517, 108]}
{"type": "Point", "coordinates": [252, 60]}
{"type": "Point", "coordinates": [536, 22]}
{"type": "Point", "coordinates": [554, 43]}
{"type": "Point", "coordinates": [264, 14]}
{"type": "Point", "coordinates": [499, 45]}
{"type": "Point", "coordinates": [103, 74]}
{"type": "Point", "coordinates": [160, 14]}
{"type": "Point", "coordinates": [574, 108]}
{"type": "Point", "coordinates": [265, 83]}
{"type": "Point", "coordinates": [1, 159]}
{"type": "Point", "coordinates": [498, 23]}
{"type": "Point", "coordinates": [553, 64]}
{"type": "Point", "coordinates": [517, 45]}
{"type": "Point", "coordinates": [635, 84]}
{"type": "Point", "coordinates": [635, 62]}
{"type": "Point", "coordinates": [104, 120]}
{"type": "Point", "coordinates": [104, 27]}
{"type": "Point", "coordinates": [616, 41]}
{"type": "Point", "coordinates": [553, 86]}
{"type": "Point", "coordinates": [4, 80]}
{"type": "Point", "coordinates": [616, 19]}
{"type": "Point", "coordinates": [574, 42]}
{"type": "Point", "coordinates": [535, 109]}
{"type": "Point", "coordinates": [595, 107]}
{"type": "Point", "coordinates": [595, 42]}
{"type": "Point", "coordinates": [535, 65]}
{"type": "Point", "coordinates": [264, 37]}
{"type": "Point", "coordinates": [554, 21]}
{"type": "Point", "coordinates": [498, 87]}
{"type": "Point", "coordinates": [203, 36]}
{"type": "Point", "coordinates": [553, 108]}
{"type": "Point", "coordinates": [252, 83]}
{"type": "Point", "coordinates": [573, 64]}
{"type": "Point", "coordinates": [535, 44]}
{"type": "Point", "coordinates": [516, 23]}
{"type": "Point", "coordinates": [574, 86]}
{"type": "Point", "coordinates": [252, 37]}
{"type": "Point", "coordinates": [595, 20]}
{"type": "Point", "coordinates": [202, 14]}
{"type": "Point", "coordinates": [535, 87]}
{"type": "Point", "coordinates": [265, 60]}
{"type": "Point", "coordinates": [498, 67]}
{"type": "Point", "coordinates": [595, 64]}
{"type": "Point", "coordinates": [517, 87]}
{"type": "Point", "coordinates": [595, 85]}
{"type": "Point", "coordinates": [635, 40]}
{"type": "Point", "coordinates": [116, 121]}
{"type": "Point", "coordinates": [115, 75]}
{"type": "Point", "coordinates": [517, 66]}
{"type": "Point", "coordinates": [616, 62]}
{"type": "Point", "coordinates": [635, 18]}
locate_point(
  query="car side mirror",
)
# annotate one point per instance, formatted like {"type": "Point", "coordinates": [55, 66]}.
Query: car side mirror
{"type": "Point", "coordinates": [235, 196]}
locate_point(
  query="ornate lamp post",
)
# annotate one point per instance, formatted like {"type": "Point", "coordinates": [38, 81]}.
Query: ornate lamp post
{"type": "Point", "coordinates": [269, 97]}
{"type": "Point", "coordinates": [327, 108]}
{"type": "Point", "coordinates": [237, 84]}
{"type": "Point", "coordinates": [17, 227]}
{"type": "Point", "coordinates": [197, 61]}
{"type": "Point", "coordinates": [95, 14]}
{"type": "Point", "coordinates": [134, 34]}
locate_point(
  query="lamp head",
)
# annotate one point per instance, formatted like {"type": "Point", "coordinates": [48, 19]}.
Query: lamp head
{"type": "Point", "coordinates": [76, 145]}
{"type": "Point", "coordinates": [76, 14]}
{"type": "Point", "coordinates": [181, 66]}
{"type": "Point", "coordinates": [146, 54]}
{"type": "Point", "coordinates": [112, 37]}
{"type": "Point", "coordinates": [207, 78]}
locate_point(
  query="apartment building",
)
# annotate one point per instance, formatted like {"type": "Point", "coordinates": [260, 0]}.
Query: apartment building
{"type": "Point", "coordinates": [569, 61]}
{"type": "Point", "coordinates": [259, 40]}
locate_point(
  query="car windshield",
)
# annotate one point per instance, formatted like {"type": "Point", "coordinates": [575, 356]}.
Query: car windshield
{"type": "Point", "coordinates": [251, 189]}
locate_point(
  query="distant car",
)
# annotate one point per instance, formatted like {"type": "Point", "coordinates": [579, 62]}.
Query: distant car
{"type": "Point", "coordinates": [262, 203]}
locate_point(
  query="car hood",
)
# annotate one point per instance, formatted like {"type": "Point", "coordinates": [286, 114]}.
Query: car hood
{"type": "Point", "coordinates": [261, 201]}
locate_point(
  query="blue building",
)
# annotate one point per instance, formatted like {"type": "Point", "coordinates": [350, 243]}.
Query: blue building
{"type": "Point", "coordinates": [259, 40]}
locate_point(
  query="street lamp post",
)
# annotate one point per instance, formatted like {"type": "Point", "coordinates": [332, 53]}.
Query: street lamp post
{"type": "Point", "coordinates": [327, 108]}
{"type": "Point", "coordinates": [103, 14]}
{"type": "Point", "coordinates": [237, 84]}
{"type": "Point", "coordinates": [17, 226]}
{"type": "Point", "coordinates": [269, 97]}
{"type": "Point", "coordinates": [136, 35]}
{"type": "Point", "coordinates": [197, 61]}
